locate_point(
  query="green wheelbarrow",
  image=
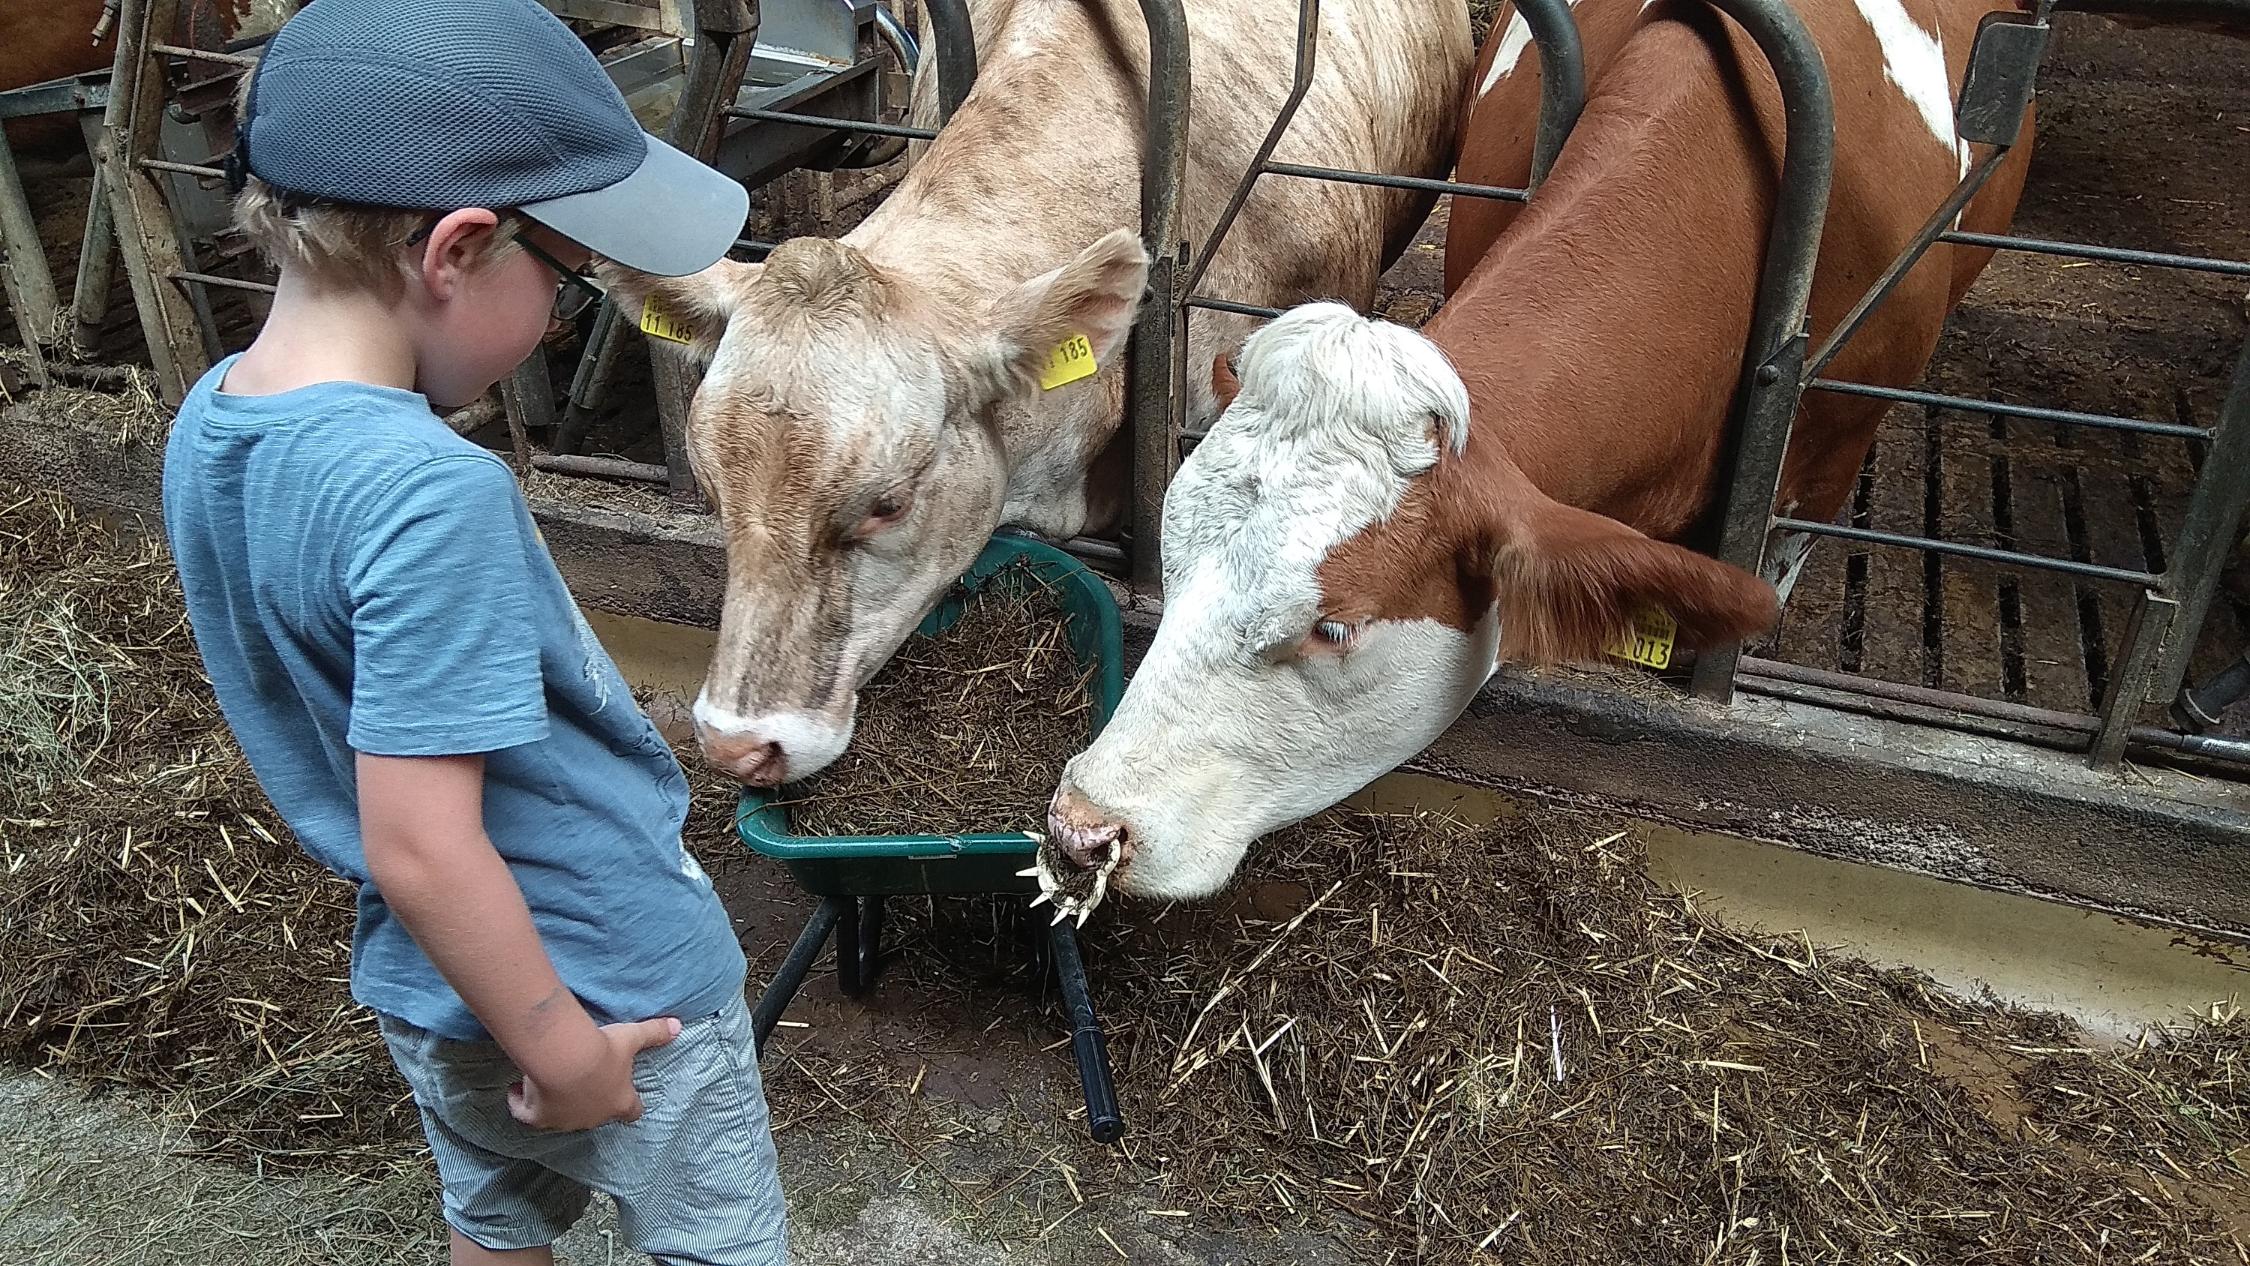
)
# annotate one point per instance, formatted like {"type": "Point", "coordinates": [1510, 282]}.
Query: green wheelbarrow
{"type": "Point", "coordinates": [853, 874]}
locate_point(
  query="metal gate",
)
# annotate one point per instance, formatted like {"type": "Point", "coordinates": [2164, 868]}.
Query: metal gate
{"type": "Point", "coordinates": [1779, 364]}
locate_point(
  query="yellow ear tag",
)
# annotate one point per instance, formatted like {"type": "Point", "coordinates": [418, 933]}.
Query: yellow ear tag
{"type": "Point", "coordinates": [1069, 363]}
{"type": "Point", "coordinates": [1649, 642]}
{"type": "Point", "coordinates": [658, 322]}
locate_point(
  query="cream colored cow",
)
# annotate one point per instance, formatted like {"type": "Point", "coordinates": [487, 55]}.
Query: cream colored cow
{"type": "Point", "coordinates": [874, 406]}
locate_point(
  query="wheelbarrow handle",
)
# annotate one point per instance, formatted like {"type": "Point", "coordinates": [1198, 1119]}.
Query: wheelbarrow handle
{"type": "Point", "coordinates": [1087, 1044]}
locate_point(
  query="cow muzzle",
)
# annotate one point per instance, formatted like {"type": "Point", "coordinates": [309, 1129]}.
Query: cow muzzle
{"type": "Point", "coordinates": [770, 749]}
{"type": "Point", "coordinates": [1084, 849]}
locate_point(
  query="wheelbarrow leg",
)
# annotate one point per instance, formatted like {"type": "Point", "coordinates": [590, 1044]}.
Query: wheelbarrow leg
{"type": "Point", "coordinates": [1091, 1050]}
{"type": "Point", "coordinates": [791, 974]}
{"type": "Point", "coordinates": [859, 936]}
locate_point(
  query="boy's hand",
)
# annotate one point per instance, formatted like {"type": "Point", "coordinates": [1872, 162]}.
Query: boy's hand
{"type": "Point", "coordinates": [595, 1087]}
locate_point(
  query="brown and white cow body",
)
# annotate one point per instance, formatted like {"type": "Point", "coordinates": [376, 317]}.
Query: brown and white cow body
{"type": "Point", "coordinates": [1313, 640]}
{"type": "Point", "coordinates": [872, 408]}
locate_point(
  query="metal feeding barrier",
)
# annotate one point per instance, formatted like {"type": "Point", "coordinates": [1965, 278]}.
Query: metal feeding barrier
{"type": "Point", "coordinates": [2169, 606]}
{"type": "Point", "coordinates": [763, 88]}
{"type": "Point", "coordinates": [1779, 367]}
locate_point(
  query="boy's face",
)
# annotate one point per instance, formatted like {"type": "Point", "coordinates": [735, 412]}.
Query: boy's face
{"type": "Point", "coordinates": [481, 315]}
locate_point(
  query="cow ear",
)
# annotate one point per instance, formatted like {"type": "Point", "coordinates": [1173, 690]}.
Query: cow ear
{"type": "Point", "coordinates": [1093, 296]}
{"type": "Point", "coordinates": [1570, 583]}
{"type": "Point", "coordinates": [693, 309]}
{"type": "Point", "coordinates": [1225, 383]}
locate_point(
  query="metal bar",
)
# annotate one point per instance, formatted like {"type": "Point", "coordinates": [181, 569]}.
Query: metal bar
{"type": "Point", "coordinates": [1998, 408]}
{"type": "Point", "coordinates": [97, 256]}
{"type": "Point", "coordinates": [1971, 184]}
{"type": "Point", "coordinates": [225, 283]}
{"type": "Point", "coordinates": [2208, 528]}
{"type": "Point", "coordinates": [2226, 750]}
{"type": "Point", "coordinates": [30, 283]}
{"type": "Point", "coordinates": [2038, 562]}
{"type": "Point", "coordinates": [1562, 78]}
{"type": "Point", "coordinates": [1087, 1045]}
{"type": "Point", "coordinates": [1159, 346]}
{"type": "Point", "coordinates": [1772, 364]}
{"type": "Point", "coordinates": [198, 170]}
{"type": "Point", "coordinates": [589, 382]}
{"type": "Point", "coordinates": [57, 96]}
{"type": "Point", "coordinates": [2067, 731]}
{"type": "Point", "coordinates": [790, 975]}
{"type": "Point", "coordinates": [726, 32]}
{"type": "Point", "coordinates": [1308, 52]}
{"type": "Point", "coordinates": [2106, 254]}
{"type": "Point", "coordinates": [242, 60]}
{"type": "Point", "coordinates": [956, 46]}
{"type": "Point", "coordinates": [1852, 698]}
{"type": "Point", "coordinates": [1228, 305]}
{"type": "Point", "coordinates": [527, 396]}
{"type": "Point", "coordinates": [835, 125]}
{"type": "Point", "coordinates": [755, 247]}
{"type": "Point", "coordinates": [1421, 184]}
{"type": "Point", "coordinates": [2154, 615]}
{"type": "Point", "coordinates": [603, 468]}
{"type": "Point", "coordinates": [1922, 696]}
{"type": "Point", "coordinates": [147, 239]}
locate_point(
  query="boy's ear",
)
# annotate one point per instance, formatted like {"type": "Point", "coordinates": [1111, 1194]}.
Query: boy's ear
{"type": "Point", "coordinates": [693, 309]}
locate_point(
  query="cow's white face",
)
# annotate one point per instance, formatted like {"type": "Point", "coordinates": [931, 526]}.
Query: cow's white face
{"type": "Point", "coordinates": [1267, 696]}
{"type": "Point", "coordinates": [848, 430]}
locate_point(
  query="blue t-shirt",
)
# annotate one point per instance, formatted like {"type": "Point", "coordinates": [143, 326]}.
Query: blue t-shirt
{"type": "Point", "coordinates": [361, 579]}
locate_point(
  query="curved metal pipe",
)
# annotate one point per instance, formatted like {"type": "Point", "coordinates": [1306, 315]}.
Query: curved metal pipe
{"type": "Point", "coordinates": [875, 153]}
{"type": "Point", "coordinates": [1158, 383]}
{"type": "Point", "coordinates": [895, 34]}
{"type": "Point", "coordinates": [1562, 78]}
{"type": "Point", "coordinates": [956, 45]}
{"type": "Point", "coordinates": [1773, 362]}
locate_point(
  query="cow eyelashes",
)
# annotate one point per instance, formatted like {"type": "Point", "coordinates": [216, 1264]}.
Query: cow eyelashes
{"type": "Point", "coordinates": [1335, 633]}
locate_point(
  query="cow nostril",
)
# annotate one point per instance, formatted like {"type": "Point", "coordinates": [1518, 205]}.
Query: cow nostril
{"type": "Point", "coordinates": [763, 765]}
{"type": "Point", "coordinates": [1089, 847]}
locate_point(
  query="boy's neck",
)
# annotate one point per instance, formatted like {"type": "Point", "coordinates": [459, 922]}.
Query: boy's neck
{"type": "Point", "coordinates": [323, 334]}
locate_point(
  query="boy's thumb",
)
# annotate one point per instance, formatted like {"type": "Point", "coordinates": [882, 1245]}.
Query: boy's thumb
{"type": "Point", "coordinates": [653, 1033]}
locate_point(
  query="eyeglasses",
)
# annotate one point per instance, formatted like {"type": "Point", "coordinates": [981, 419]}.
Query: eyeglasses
{"type": "Point", "coordinates": [578, 292]}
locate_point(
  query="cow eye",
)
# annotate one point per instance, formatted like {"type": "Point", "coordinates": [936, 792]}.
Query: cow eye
{"type": "Point", "coordinates": [1334, 634]}
{"type": "Point", "coordinates": [885, 511]}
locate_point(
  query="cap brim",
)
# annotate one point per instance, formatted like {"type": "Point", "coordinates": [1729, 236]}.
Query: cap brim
{"type": "Point", "coordinates": [671, 217]}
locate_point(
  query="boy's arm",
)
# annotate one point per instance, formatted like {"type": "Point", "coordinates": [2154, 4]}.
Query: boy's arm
{"type": "Point", "coordinates": [422, 825]}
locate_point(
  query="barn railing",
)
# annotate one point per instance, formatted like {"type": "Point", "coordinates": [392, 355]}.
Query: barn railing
{"type": "Point", "coordinates": [2169, 606]}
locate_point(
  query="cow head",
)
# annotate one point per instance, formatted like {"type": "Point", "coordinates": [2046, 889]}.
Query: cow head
{"type": "Point", "coordinates": [857, 437]}
{"type": "Point", "coordinates": [1340, 579]}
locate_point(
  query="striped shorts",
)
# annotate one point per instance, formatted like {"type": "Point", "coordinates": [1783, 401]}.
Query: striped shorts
{"type": "Point", "coordinates": [694, 1179]}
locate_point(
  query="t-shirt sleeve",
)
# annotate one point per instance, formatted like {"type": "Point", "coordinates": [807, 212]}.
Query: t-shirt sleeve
{"type": "Point", "coordinates": [445, 654]}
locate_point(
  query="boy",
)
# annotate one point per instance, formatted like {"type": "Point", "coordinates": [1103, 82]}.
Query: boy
{"type": "Point", "coordinates": [399, 658]}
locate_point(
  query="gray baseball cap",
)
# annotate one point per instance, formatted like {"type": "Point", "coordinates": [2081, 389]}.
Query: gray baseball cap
{"type": "Point", "coordinates": [434, 105]}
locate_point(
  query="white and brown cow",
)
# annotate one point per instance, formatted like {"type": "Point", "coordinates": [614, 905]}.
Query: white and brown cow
{"type": "Point", "coordinates": [1381, 516]}
{"type": "Point", "coordinates": [873, 406]}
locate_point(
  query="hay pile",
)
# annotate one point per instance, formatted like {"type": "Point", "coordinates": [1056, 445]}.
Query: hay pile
{"type": "Point", "coordinates": [159, 928]}
{"type": "Point", "coordinates": [1506, 1044]}
{"type": "Point", "coordinates": [964, 732]}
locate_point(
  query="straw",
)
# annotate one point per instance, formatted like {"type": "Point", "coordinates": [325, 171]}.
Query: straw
{"type": "Point", "coordinates": [964, 732]}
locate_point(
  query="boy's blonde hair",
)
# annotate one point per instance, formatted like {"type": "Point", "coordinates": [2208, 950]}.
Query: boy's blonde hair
{"type": "Point", "coordinates": [342, 245]}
